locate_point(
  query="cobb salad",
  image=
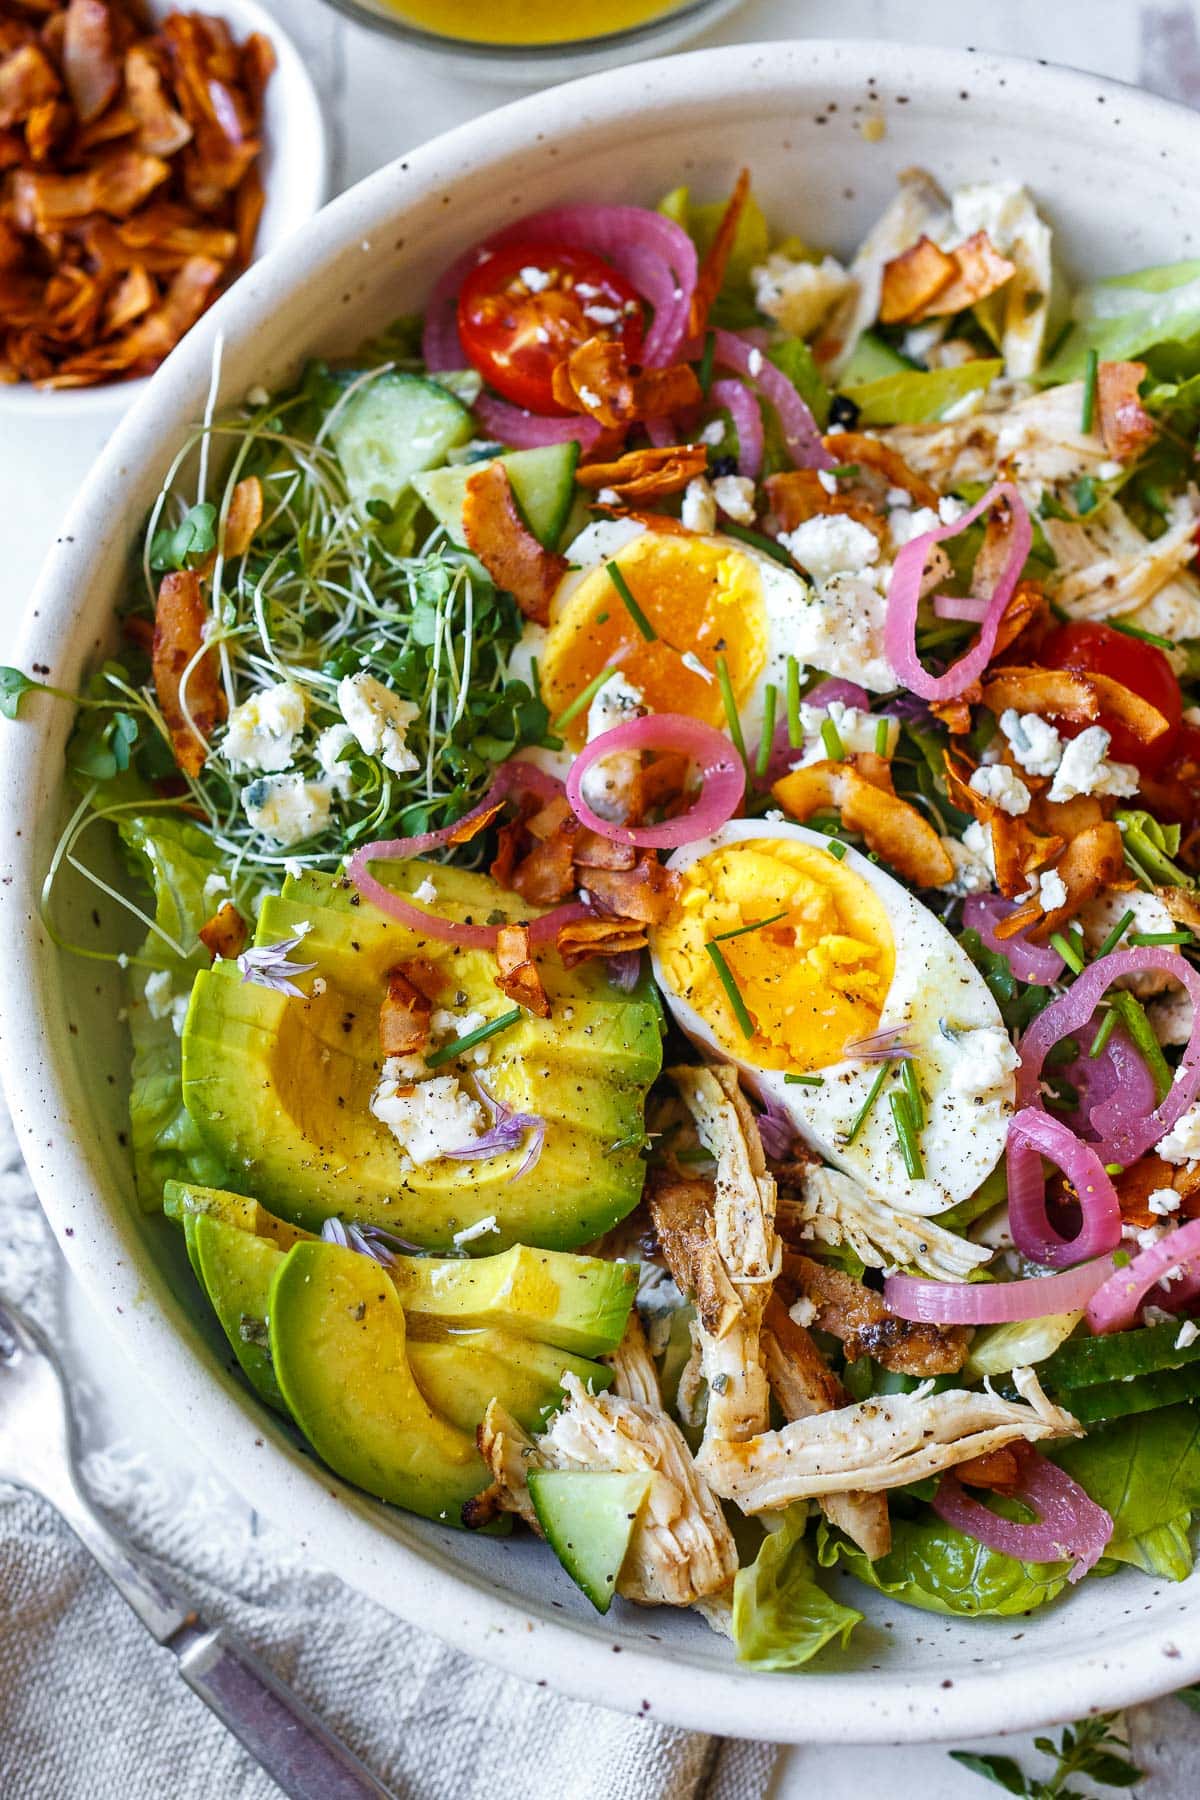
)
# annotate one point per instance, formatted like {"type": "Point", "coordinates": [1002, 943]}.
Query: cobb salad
{"type": "Point", "coordinates": [659, 803]}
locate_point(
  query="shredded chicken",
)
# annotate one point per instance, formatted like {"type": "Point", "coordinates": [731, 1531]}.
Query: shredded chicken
{"type": "Point", "coordinates": [1037, 436]}
{"type": "Point", "coordinates": [803, 1386]}
{"type": "Point", "coordinates": [719, 1243]}
{"type": "Point", "coordinates": [1106, 567]}
{"type": "Point", "coordinates": [509, 1451]}
{"type": "Point", "coordinates": [833, 1209]}
{"type": "Point", "coordinates": [919, 208]}
{"type": "Point", "coordinates": [860, 1318]}
{"type": "Point", "coordinates": [881, 1443]}
{"type": "Point", "coordinates": [634, 1374]}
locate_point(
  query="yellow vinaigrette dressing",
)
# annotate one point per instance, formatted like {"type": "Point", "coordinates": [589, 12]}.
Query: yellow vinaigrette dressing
{"type": "Point", "coordinates": [528, 21]}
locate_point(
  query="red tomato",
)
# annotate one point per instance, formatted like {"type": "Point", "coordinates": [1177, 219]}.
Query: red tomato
{"type": "Point", "coordinates": [1136, 665]}
{"type": "Point", "coordinates": [1173, 792]}
{"type": "Point", "coordinates": [516, 330]}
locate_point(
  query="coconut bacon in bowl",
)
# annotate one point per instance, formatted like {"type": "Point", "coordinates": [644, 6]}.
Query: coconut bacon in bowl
{"type": "Point", "coordinates": [664, 798]}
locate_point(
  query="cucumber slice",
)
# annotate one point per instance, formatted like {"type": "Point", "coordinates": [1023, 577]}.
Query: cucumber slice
{"type": "Point", "coordinates": [871, 359]}
{"type": "Point", "coordinates": [393, 427]}
{"type": "Point", "coordinates": [588, 1517]}
{"type": "Point", "coordinates": [1120, 1356]}
{"type": "Point", "coordinates": [543, 484]}
{"type": "Point", "coordinates": [1136, 1394]}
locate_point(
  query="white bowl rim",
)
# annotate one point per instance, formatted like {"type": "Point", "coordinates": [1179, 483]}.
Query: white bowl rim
{"type": "Point", "coordinates": [574, 1658]}
{"type": "Point", "coordinates": [301, 184]}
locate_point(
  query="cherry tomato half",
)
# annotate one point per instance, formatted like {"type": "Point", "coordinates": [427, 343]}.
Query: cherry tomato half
{"type": "Point", "coordinates": [525, 308]}
{"type": "Point", "coordinates": [1136, 665]}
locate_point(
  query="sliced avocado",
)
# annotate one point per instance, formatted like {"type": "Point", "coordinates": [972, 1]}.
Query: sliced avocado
{"type": "Point", "coordinates": [337, 1339]}
{"type": "Point", "coordinates": [543, 485]}
{"type": "Point", "coordinates": [235, 1270]}
{"type": "Point", "coordinates": [182, 1200]}
{"type": "Point", "coordinates": [588, 1516]}
{"type": "Point", "coordinates": [391, 427]}
{"type": "Point", "coordinates": [578, 1303]}
{"type": "Point", "coordinates": [284, 1087]}
{"type": "Point", "coordinates": [459, 1375]}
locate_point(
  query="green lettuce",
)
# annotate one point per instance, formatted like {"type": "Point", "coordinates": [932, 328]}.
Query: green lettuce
{"type": "Point", "coordinates": [1124, 316]}
{"type": "Point", "coordinates": [1165, 1551]}
{"type": "Point", "coordinates": [1144, 1471]}
{"type": "Point", "coordinates": [734, 306]}
{"type": "Point", "coordinates": [781, 1615]}
{"type": "Point", "coordinates": [940, 1569]}
{"type": "Point", "coordinates": [915, 396]}
{"type": "Point", "coordinates": [176, 859]}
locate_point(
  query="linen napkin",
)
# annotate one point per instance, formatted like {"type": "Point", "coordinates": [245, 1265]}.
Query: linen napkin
{"type": "Point", "coordinates": [92, 1709]}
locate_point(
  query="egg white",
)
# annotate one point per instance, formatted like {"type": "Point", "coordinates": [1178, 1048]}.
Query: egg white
{"type": "Point", "coordinates": [941, 1001]}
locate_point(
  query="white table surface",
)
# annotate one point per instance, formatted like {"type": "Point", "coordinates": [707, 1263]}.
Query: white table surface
{"type": "Point", "coordinates": [380, 102]}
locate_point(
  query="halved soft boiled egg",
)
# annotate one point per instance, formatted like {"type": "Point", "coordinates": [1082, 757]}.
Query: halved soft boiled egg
{"type": "Point", "coordinates": [702, 597]}
{"type": "Point", "coordinates": [847, 954]}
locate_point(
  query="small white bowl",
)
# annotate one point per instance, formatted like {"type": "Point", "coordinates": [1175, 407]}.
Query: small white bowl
{"type": "Point", "coordinates": [295, 174]}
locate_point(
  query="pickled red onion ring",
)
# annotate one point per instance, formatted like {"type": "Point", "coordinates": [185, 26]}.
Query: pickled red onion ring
{"type": "Point", "coordinates": [801, 433]}
{"type": "Point", "coordinates": [742, 408]}
{"type": "Point", "coordinates": [1028, 962]}
{"type": "Point", "coordinates": [1069, 1522]}
{"type": "Point", "coordinates": [523, 430]}
{"type": "Point", "coordinates": [1114, 1307]}
{"type": "Point", "coordinates": [722, 771]}
{"type": "Point", "coordinates": [994, 1302]}
{"type": "Point", "coordinates": [1032, 1135]}
{"type": "Point", "coordinates": [904, 593]}
{"type": "Point", "coordinates": [1130, 1134]}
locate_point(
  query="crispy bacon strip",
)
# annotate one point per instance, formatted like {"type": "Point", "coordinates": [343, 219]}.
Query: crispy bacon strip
{"type": "Point", "coordinates": [225, 934]}
{"type": "Point", "coordinates": [913, 280]}
{"type": "Point", "coordinates": [161, 130]}
{"type": "Point", "coordinates": [716, 258]}
{"type": "Point", "coordinates": [596, 379]}
{"type": "Point", "coordinates": [1066, 694]}
{"type": "Point", "coordinates": [244, 517]}
{"type": "Point", "coordinates": [889, 826]}
{"type": "Point", "coordinates": [1092, 861]}
{"type": "Point", "coordinates": [647, 474]}
{"type": "Point", "coordinates": [506, 547]}
{"type": "Point", "coordinates": [979, 271]}
{"type": "Point", "coordinates": [871, 453]}
{"type": "Point", "coordinates": [90, 62]}
{"type": "Point", "coordinates": [643, 894]}
{"type": "Point", "coordinates": [1017, 849]}
{"type": "Point", "coordinates": [179, 621]}
{"type": "Point", "coordinates": [586, 939]}
{"type": "Point", "coordinates": [519, 978]}
{"type": "Point", "coordinates": [795, 495]}
{"type": "Point", "coordinates": [1125, 425]}
{"type": "Point", "coordinates": [404, 1016]}
{"type": "Point", "coordinates": [1027, 611]}
{"type": "Point", "coordinates": [27, 82]}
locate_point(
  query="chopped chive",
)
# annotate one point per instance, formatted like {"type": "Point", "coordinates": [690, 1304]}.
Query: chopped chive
{"type": "Point", "coordinates": [804, 1081]}
{"type": "Point", "coordinates": [725, 977]}
{"type": "Point", "coordinates": [535, 678]}
{"type": "Point", "coordinates": [1145, 637]}
{"type": "Point", "coordinates": [1160, 937]}
{"type": "Point", "coordinates": [767, 740]}
{"type": "Point", "coordinates": [836, 849]}
{"type": "Point", "coordinates": [705, 372]}
{"type": "Point", "coordinates": [447, 1052]}
{"type": "Point", "coordinates": [631, 606]}
{"type": "Point", "coordinates": [1138, 1026]}
{"type": "Point", "coordinates": [868, 1103]}
{"type": "Point", "coordinates": [795, 729]}
{"type": "Point", "coordinates": [584, 698]}
{"type": "Point", "coordinates": [1067, 951]}
{"type": "Point", "coordinates": [1116, 934]}
{"type": "Point", "coordinates": [601, 619]}
{"type": "Point", "coordinates": [1089, 390]}
{"type": "Point", "coordinates": [881, 737]}
{"type": "Point", "coordinates": [912, 1089]}
{"type": "Point", "coordinates": [1114, 1168]}
{"type": "Point", "coordinates": [1107, 1027]}
{"type": "Point", "coordinates": [843, 469]}
{"type": "Point", "coordinates": [755, 925]}
{"type": "Point", "coordinates": [758, 540]}
{"type": "Point", "coordinates": [831, 737]}
{"type": "Point", "coordinates": [731, 711]}
{"type": "Point", "coordinates": [906, 1131]}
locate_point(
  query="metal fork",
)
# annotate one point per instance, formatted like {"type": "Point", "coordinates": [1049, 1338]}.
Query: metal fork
{"type": "Point", "coordinates": [39, 1450]}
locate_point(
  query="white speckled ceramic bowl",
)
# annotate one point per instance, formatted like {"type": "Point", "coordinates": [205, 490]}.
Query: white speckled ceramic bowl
{"type": "Point", "coordinates": [1109, 165]}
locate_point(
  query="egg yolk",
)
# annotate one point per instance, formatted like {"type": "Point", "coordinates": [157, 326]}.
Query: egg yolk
{"type": "Point", "coordinates": [700, 596]}
{"type": "Point", "coordinates": [811, 980]}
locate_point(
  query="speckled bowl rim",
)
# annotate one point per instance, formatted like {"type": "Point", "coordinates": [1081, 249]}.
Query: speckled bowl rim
{"type": "Point", "coordinates": [334, 1524]}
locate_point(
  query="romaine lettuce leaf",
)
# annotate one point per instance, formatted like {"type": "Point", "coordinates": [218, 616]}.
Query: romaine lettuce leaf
{"type": "Point", "coordinates": [734, 306]}
{"type": "Point", "coordinates": [1165, 1551]}
{"type": "Point", "coordinates": [781, 1614]}
{"type": "Point", "coordinates": [933, 1566]}
{"type": "Point", "coordinates": [915, 396]}
{"type": "Point", "coordinates": [1144, 1470]}
{"type": "Point", "coordinates": [176, 859]}
{"type": "Point", "coordinates": [1123, 316]}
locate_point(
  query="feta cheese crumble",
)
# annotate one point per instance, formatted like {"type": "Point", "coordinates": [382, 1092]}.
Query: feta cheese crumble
{"type": "Point", "coordinates": [1162, 1202]}
{"type": "Point", "coordinates": [1182, 1142]}
{"type": "Point", "coordinates": [734, 494]}
{"type": "Point", "coordinates": [857, 730]}
{"type": "Point", "coordinates": [287, 808]}
{"type": "Point", "coordinates": [1084, 770]}
{"type": "Point", "coordinates": [535, 279]}
{"type": "Point", "coordinates": [1052, 890]}
{"type": "Point", "coordinates": [986, 1060]}
{"type": "Point", "coordinates": [831, 544]}
{"type": "Point", "coordinates": [329, 747]}
{"type": "Point", "coordinates": [1035, 743]}
{"type": "Point", "coordinates": [1004, 789]}
{"type": "Point", "coordinates": [699, 509]}
{"type": "Point", "coordinates": [972, 874]}
{"type": "Point", "coordinates": [479, 1229]}
{"type": "Point", "coordinates": [426, 893]}
{"type": "Point", "coordinates": [379, 720]}
{"type": "Point", "coordinates": [263, 732]}
{"type": "Point", "coordinates": [427, 1118]}
{"type": "Point", "coordinates": [159, 994]}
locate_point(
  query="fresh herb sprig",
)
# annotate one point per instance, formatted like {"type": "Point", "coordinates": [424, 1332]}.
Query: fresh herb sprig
{"type": "Point", "coordinates": [1093, 1749]}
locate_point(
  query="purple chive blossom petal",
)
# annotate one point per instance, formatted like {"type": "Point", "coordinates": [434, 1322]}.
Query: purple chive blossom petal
{"type": "Point", "coordinates": [267, 965]}
{"type": "Point", "coordinates": [777, 1132]}
{"type": "Point", "coordinates": [624, 971]}
{"type": "Point", "coordinates": [381, 1246]}
{"type": "Point", "coordinates": [506, 1132]}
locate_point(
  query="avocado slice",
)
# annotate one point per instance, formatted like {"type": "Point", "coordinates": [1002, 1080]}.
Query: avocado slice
{"type": "Point", "coordinates": [578, 1303]}
{"type": "Point", "coordinates": [461, 1374]}
{"type": "Point", "coordinates": [588, 1516]}
{"type": "Point", "coordinates": [284, 1086]}
{"type": "Point", "coordinates": [338, 1344]}
{"type": "Point", "coordinates": [183, 1199]}
{"type": "Point", "coordinates": [236, 1269]}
